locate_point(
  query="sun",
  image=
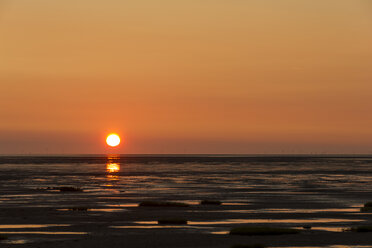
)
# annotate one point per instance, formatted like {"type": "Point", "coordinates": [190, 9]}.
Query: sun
{"type": "Point", "coordinates": [113, 140]}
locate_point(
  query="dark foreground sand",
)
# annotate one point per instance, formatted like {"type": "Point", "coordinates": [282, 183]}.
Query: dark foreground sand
{"type": "Point", "coordinates": [98, 226]}
{"type": "Point", "coordinates": [198, 240]}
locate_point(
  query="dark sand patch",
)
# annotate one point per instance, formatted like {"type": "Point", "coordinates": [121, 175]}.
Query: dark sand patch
{"type": "Point", "coordinates": [249, 230]}
{"type": "Point", "coordinates": [172, 222]}
{"type": "Point", "coordinates": [249, 246]}
{"type": "Point", "coordinates": [210, 202]}
{"type": "Point", "coordinates": [162, 204]}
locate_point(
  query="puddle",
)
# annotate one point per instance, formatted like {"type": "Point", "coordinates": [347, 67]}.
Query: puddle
{"type": "Point", "coordinates": [357, 205]}
{"type": "Point", "coordinates": [109, 210]}
{"type": "Point", "coordinates": [324, 228]}
{"type": "Point", "coordinates": [289, 210]}
{"type": "Point", "coordinates": [191, 202]}
{"type": "Point", "coordinates": [223, 203]}
{"type": "Point", "coordinates": [150, 226]}
{"type": "Point", "coordinates": [24, 195]}
{"type": "Point", "coordinates": [235, 204]}
{"type": "Point", "coordinates": [106, 210]}
{"type": "Point", "coordinates": [283, 193]}
{"type": "Point", "coordinates": [221, 232]}
{"type": "Point", "coordinates": [16, 242]}
{"type": "Point", "coordinates": [22, 226]}
{"type": "Point", "coordinates": [160, 226]}
{"type": "Point", "coordinates": [258, 221]}
{"type": "Point", "coordinates": [329, 229]}
{"type": "Point", "coordinates": [114, 197]}
{"type": "Point", "coordinates": [45, 233]}
{"type": "Point", "coordinates": [128, 205]}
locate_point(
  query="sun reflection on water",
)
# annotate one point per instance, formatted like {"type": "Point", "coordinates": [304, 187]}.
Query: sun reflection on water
{"type": "Point", "coordinates": [112, 167]}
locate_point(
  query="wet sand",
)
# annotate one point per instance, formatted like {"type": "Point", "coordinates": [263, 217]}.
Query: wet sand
{"type": "Point", "coordinates": [106, 212]}
{"type": "Point", "coordinates": [208, 226]}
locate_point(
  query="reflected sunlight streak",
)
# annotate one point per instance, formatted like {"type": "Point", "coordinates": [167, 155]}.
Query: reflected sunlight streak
{"type": "Point", "coordinates": [112, 167]}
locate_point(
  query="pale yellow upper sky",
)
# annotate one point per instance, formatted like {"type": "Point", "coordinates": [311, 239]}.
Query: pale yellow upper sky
{"type": "Point", "coordinates": [186, 76]}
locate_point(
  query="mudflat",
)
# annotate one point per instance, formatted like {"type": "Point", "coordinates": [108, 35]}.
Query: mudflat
{"type": "Point", "coordinates": [98, 204]}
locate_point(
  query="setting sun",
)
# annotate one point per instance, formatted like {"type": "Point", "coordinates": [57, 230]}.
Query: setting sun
{"type": "Point", "coordinates": [113, 140]}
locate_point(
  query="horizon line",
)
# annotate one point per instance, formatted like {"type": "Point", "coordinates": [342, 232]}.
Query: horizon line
{"type": "Point", "coordinates": [184, 154]}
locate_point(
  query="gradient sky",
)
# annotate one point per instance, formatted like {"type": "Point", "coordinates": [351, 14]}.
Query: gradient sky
{"type": "Point", "coordinates": [186, 76]}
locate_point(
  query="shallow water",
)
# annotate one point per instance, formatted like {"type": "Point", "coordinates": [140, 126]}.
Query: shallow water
{"type": "Point", "coordinates": [253, 190]}
{"type": "Point", "coordinates": [30, 226]}
{"type": "Point", "coordinates": [160, 226]}
{"type": "Point", "coordinates": [45, 233]}
{"type": "Point", "coordinates": [16, 241]}
{"type": "Point", "coordinates": [324, 180]}
{"type": "Point", "coordinates": [261, 221]}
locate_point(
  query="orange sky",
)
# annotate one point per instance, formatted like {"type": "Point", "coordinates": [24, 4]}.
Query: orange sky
{"type": "Point", "coordinates": [186, 76]}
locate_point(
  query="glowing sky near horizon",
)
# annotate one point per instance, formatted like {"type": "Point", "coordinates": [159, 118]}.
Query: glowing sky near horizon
{"type": "Point", "coordinates": [187, 76]}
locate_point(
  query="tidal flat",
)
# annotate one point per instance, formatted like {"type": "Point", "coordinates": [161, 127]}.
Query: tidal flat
{"type": "Point", "coordinates": [318, 197]}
